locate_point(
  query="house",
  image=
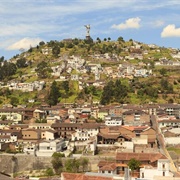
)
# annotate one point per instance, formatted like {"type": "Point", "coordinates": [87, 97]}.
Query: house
{"type": "Point", "coordinates": [115, 137]}
{"type": "Point", "coordinates": [115, 111]}
{"type": "Point", "coordinates": [10, 135]}
{"type": "Point", "coordinates": [171, 109]}
{"type": "Point", "coordinates": [154, 160]}
{"type": "Point", "coordinates": [102, 113]}
{"type": "Point", "coordinates": [5, 124]}
{"type": "Point", "coordinates": [15, 115]}
{"type": "Point", "coordinates": [113, 121]}
{"type": "Point", "coordinates": [85, 131]}
{"type": "Point", "coordinates": [42, 126]}
{"type": "Point", "coordinates": [168, 121]}
{"type": "Point", "coordinates": [162, 170]}
{"type": "Point", "coordinates": [30, 135]}
{"type": "Point", "coordinates": [49, 134]}
{"type": "Point", "coordinates": [136, 117]}
{"type": "Point", "coordinates": [39, 114]}
{"type": "Point", "coordinates": [18, 126]}
{"type": "Point", "coordinates": [52, 119]}
{"type": "Point", "coordinates": [48, 147]}
{"type": "Point", "coordinates": [65, 130]}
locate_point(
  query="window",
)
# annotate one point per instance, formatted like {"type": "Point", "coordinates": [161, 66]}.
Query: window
{"type": "Point", "coordinates": [142, 174]}
{"type": "Point", "coordinates": [163, 173]}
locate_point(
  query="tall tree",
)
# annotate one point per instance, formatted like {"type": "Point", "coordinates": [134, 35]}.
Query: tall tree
{"type": "Point", "coordinates": [107, 94]}
{"type": "Point", "coordinates": [54, 94]}
{"type": "Point", "coordinates": [43, 69]}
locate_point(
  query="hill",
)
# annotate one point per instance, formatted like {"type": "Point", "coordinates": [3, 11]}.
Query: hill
{"type": "Point", "coordinates": [101, 71]}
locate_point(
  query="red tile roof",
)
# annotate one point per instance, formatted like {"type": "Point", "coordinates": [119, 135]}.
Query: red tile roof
{"type": "Point", "coordinates": [109, 167]}
{"type": "Point", "coordinates": [151, 157]}
{"type": "Point", "coordinates": [75, 176]}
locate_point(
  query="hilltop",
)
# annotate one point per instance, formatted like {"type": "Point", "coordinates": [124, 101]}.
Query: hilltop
{"type": "Point", "coordinates": [87, 71]}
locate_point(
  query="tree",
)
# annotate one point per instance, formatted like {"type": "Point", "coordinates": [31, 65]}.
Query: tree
{"type": "Point", "coordinates": [56, 50]}
{"type": "Point", "coordinates": [3, 117]}
{"type": "Point", "coordinates": [49, 172]}
{"type": "Point", "coordinates": [163, 71]}
{"type": "Point", "coordinates": [1, 59]}
{"type": "Point", "coordinates": [7, 69]}
{"type": "Point", "coordinates": [21, 63]}
{"type": "Point", "coordinates": [65, 85]}
{"type": "Point", "coordinates": [134, 164]}
{"type": "Point", "coordinates": [107, 94]}
{"type": "Point", "coordinates": [98, 40]}
{"type": "Point", "coordinates": [57, 164]}
{"type": "Point", "coordinates": [105, 39]}
{"type": "Point", "coordinates": [41, 43]}
{"type": "Point", "coordinates": [57, 155]}
{"type": "Point", "coordinates": [120, 39]}
{"type": "Point", "coordinates": [14, 101]}
{"type": "Point", "coordinates": [84, 163]}
{"type": "Point", "coordinates": [109, 38]}
{"type": "Point", "coordinates": [54, 94]}
{"type": "Point", "coordinates": [72, 165]}
{"type": "Point", "coordinates": [43, 69]}
{"type": "Point", "coordinates": [120, 91]}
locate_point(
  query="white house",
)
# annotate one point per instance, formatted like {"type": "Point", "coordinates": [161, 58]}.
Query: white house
{"type": "Point", "coordinates": [163, 170]}
{"type": "Point", "coordinates": [86, 131]}
{"type": "Point", "coordinates": [47, 148]}
{"type": "Point", "coordinates": [109, 121]}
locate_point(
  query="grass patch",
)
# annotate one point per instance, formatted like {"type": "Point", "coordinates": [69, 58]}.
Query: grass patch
{"type": "Point", "coordinates": [176, 150]}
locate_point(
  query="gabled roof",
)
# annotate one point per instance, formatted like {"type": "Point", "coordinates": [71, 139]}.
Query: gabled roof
{"type": "Point", "coordinates": [151, 157]}
{"type": "Point", "coordinates": [109, 167]}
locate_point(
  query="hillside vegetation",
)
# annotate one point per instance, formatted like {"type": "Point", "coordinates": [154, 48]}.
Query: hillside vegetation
{"type": "Point", "coordinates": [37, 64]}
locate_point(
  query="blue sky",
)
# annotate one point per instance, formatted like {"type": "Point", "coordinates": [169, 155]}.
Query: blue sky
{"type": "Point", "coordinates": [24, 23]}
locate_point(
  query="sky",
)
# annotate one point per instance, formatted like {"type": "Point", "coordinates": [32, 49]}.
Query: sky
{"type": "Point", "coordinates": [24, 23]}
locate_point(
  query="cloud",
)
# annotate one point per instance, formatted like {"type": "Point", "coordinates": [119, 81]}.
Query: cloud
{"type": "Point", "coordinates": [170, 31]}
{"type": "Point", "coordinates": [159, 23]}
{"type": "Point", "coordinates": [24, 43]}
{"type": "Point", "coordinates": [132, 23]}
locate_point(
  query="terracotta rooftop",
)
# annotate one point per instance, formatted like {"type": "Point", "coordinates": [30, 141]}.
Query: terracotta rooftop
{"type": "Point", "coordinates": [152, 157]}
{"type": "Point", "coordinates": [110, 136]}
{"type": "Point", "coordinates": [134, 128]}
{"type": "Point", "coordinates": [108, 167]}
{"type": "Point", "coordinates": [75, 176]}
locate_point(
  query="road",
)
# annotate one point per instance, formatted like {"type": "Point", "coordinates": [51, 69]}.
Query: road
{"type": "Point", "coordinates": [161, 143]}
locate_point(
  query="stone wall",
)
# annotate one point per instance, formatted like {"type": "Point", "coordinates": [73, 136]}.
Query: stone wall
{"type": "Point", "coordinates": [19, 162]}
{"type": "Point", "coordinates": [10, 163]}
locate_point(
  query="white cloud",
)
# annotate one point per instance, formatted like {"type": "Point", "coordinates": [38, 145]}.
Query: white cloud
{"type": "Point", "coordinates": [24, 43]}
{"type": "Point", "coordinates": [132, 23]}
{"type": "Point", "coordinates": [170, 31]}
{"type": "Point", "coordinates": [159, 23]}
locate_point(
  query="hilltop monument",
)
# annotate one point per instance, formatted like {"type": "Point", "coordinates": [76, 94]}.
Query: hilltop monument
{"type": "Point", "coordinates": [88, 37]}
